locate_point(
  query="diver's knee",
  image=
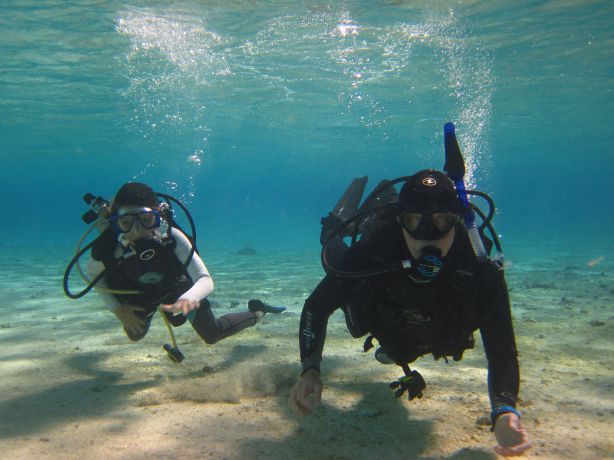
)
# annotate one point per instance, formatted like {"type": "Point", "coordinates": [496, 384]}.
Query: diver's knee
{"type": "Point", "coordinates": [135, 337]}
{"type": "Point", "coordinates": [209, 340]}
{"type": "Point", "coordinates": [207, 337]}
{"type": "Point", "coordinates": [199, 324]}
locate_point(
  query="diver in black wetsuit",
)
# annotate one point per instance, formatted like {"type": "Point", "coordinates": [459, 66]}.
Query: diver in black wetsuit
{"type": "Point", "coordinates": [430, 303]}
{"type": "Point", "coordinates": [141, 262]}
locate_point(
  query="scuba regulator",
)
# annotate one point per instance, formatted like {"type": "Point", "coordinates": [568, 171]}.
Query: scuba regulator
{"type": "Point", "coordinates": [412, 382]}
{"type": "Point", "coordinates": [99, 207]}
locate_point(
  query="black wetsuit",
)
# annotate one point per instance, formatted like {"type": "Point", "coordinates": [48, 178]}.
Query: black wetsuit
{"type": "Point", "coordinates": [410, 319]}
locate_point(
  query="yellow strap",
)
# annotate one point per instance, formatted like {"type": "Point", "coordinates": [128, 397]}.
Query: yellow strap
{"type": "Point", "coordinates": [168, 326]}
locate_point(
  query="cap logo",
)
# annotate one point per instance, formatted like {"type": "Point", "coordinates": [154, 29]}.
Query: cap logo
{"type": "Point", "coordinates": [429, 181]}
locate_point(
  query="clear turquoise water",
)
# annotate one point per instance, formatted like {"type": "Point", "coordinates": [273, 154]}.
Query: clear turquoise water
{"type": "Point", "coordinates": [258, 113]}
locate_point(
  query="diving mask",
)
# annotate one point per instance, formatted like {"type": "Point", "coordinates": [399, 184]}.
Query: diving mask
{"type": "Point", "coordinates": [428, 225]}
{"type": "Point", "coordinates": [147, 217]}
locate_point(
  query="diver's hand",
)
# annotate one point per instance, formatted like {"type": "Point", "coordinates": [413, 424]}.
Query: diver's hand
{"type": "Point", "coordinates": [309, 384]}
{"type": "Point", "coordinates": [132, 323]}
{"type": "Point", "coordinates": [184, 306]}
{"type": "Point", "coordinates": [512, 437]}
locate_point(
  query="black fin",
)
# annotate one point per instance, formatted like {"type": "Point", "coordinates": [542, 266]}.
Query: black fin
{"type": "Point", "coordinates": [347, 205]}
{"type": "Point", "coordinates": [255, 305]}
{"type": "Point", "coordinates": [371, 221]}
{"type": "Point", "coordinates": [346, 208]}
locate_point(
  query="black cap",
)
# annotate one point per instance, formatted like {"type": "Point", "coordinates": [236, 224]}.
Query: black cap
{"type": "Point", "coordinates": [135, 194]}
{"type": "Point", "coordinates": [429, 191]}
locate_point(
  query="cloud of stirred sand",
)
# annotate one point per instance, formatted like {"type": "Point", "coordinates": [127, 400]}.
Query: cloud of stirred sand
{"type": "Point", "coordinates": [250, 381]}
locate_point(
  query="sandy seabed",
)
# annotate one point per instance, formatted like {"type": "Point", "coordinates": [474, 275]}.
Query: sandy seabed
{"type": "Point", "coordinates": [73, 387]}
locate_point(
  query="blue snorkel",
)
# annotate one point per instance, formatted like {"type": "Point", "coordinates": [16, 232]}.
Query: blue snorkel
{"type": "Point", "coordinates": [455, 167]}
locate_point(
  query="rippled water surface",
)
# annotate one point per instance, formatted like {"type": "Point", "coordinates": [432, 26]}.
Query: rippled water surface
{"type": "Point", "coordinates": [258, 113]}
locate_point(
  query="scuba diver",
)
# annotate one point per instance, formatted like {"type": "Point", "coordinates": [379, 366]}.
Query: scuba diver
{"type": "Point", "coordinates": [142, 261]}
{"type": "Point", "coordinates": [419, 281]}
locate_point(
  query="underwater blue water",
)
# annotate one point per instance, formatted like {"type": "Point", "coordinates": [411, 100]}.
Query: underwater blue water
{"type": "Point", "coordinates": [258, 113]}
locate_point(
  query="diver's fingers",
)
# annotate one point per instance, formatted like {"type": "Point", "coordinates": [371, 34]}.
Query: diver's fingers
{"type": "Point", "coordinates": [298, 408]}
{"type": "Point", "coordinates": [297, 403]}
{"type": "Point", "coordinates": [187, 305]}
{"type": "Point", "coordinates": [309, 395]}
{"type": "Point", "coordinates": [184, 306]}
{"type": "Point", "coordinates": [512, 451]}
{"type": "Point", "coordinates": [512, 438]}
{"type": "Point", "coordinates": [317, 393]}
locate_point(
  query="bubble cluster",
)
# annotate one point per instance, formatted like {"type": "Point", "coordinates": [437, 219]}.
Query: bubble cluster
{"type": "Point", "coordinates": [327, 70]}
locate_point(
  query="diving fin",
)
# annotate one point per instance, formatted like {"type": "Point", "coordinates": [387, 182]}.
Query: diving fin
{"type": "Point", "coordinates": [346, 207]}
{"type": "Point", "coordinates": [387, 195]}
{"type": "Point", "coordinates": [255, 305]}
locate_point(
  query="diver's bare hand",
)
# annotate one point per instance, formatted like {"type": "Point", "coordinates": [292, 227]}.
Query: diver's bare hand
{"type": "Point", "coordinates": [306, 394]}
{"type": "Point", "coordinates": [512, 437]}
{"type": "Point", "coordinates": [127, 315]}
{"type": "Point", "coordinates": [184, 306]}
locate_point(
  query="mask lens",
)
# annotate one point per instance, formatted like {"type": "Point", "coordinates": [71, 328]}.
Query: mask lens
{"type": "Point", "coordinates": [411, 221]}
{"type": "Point", "coordinates": [125, 222]}
{"type": "Point", "coordinates": [444, 221]}
{"type": "Point", "coordinates": [149, 219]}
{"type": "Point", "coordinates": [428, 225]}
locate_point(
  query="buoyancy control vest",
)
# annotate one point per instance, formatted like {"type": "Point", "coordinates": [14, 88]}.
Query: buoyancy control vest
{"type": "Point", "coordinates": [410, 320]}
{"type": "Point", "coordinates": [148, 266]}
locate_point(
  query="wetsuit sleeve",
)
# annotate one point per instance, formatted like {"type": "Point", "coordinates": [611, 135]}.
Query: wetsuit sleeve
{"type": "Point", "coordinates": [499, 342]}
{"type": "Point", "coordinates": [95, 268]}
{"type": "Point", "coordinates": [325, 299]}
{"type": "Point", "coordinates": [203, 284]}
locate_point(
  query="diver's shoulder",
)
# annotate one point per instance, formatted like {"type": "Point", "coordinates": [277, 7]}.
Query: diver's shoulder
{"type": "Point", "coordinates": [175, 232]}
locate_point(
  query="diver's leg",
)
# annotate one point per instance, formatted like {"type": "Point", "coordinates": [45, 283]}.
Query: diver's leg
{"type": "Point", "coordinates": [212, 329]}
{"type": "Point", "coordinates": [146, 315]}
{"type": "Point", "coordinates": [347, 205]}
